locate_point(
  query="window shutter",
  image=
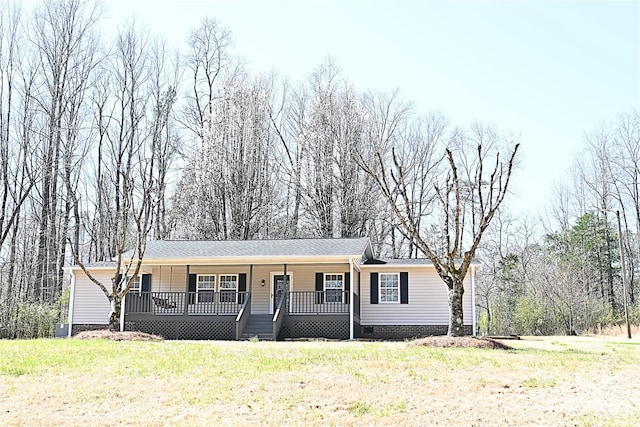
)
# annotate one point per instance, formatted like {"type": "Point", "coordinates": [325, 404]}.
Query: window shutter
{"type": "Point", "coordinates": [146, 283]}
{"type": "Point", "coordinates": [193, 278]}
{"type": "Point", "coordinates": [347, 287]}
{"type": "Point", "coordinates": [374, 288]}
{"type": "Point", "coordinates": [242, 287]}
{"type": "Point", "coordinates": [319, 288]}
{"type": "Point", "coordinates": [404, 287]}
{"type": "Point", "coordinates": [118, 280]}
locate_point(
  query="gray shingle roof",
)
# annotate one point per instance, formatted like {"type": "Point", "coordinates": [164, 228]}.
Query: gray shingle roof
{"type": "Point", "coordinates": [168, 249]}
{"type": "Point", "coordinates": [407, 261]}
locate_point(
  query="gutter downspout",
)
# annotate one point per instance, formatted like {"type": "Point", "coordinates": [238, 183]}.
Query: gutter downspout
{"type": "Point", "coordinates": [473, 299]}
{"type": "Point", "coordinates": [71, 298]}
{"type": "Point", "coordinates": [351, 334]}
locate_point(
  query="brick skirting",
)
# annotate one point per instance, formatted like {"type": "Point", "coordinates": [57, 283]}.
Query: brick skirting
{"type": "Point", "coordinates": [400, 332]}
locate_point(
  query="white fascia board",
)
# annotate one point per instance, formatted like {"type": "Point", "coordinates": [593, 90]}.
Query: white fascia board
{"type": "Point", "coordinates": [248, 260]}
{"type": "Point", "coordinates": [72, 268]}
{"type": "Point", "coordinates": [408, 265]}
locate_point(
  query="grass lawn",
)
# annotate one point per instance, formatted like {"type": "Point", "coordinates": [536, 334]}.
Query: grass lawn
{"type": "Point", "coordinates": [544, 381]}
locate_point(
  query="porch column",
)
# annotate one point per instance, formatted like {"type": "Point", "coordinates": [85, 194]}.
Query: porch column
{"type": "Point", "coordinates": [123, 304]}
{"type": "Point", "coordinates": [186, 292]}
{"type": "Point", "coordinates": [351, 299]}
{"type": "Point", "coordinates": [286, 282]}
{"type": "Point", "coordinates": [250, 278]}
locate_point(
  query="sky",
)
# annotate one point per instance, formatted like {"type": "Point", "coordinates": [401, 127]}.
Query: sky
{"type": "Point", "coordinates": [544, 72]}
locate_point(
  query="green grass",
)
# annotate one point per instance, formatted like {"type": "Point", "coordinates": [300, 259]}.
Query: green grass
{"type": "Point", "coordinates": [312, 383]}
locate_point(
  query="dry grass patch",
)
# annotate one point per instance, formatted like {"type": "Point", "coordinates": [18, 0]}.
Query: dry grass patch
{"type": "Point", "coordinates": [459, 342]}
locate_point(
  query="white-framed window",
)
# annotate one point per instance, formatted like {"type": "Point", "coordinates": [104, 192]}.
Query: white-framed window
{"type": "Point", "coordinates": [228, 287]}
{"type": "Point", "coordinates": [333, 287]}
{"type": "Point", "coordinates": [389, 287]}
{"type": "Point", "coordinates": [136, 286]}
{"type": "Point", "coordinates": [205, 287]}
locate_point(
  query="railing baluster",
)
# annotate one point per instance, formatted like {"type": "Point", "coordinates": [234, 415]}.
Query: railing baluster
{"type": "Point", "coordinates": [307, 302]}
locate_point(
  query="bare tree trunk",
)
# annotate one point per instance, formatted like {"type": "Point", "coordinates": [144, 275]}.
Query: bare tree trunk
{"type": "Point", "coordinates": [456, 312]}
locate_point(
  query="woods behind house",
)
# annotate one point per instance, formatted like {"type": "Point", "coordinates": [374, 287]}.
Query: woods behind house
{"type": "Point", "coordinates": [96, 131]}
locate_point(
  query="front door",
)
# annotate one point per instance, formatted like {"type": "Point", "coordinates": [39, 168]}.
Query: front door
{"type": "Point", "coordinates": [279, 289]}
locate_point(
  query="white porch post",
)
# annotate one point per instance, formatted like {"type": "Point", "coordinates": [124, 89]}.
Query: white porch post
{"type": "Point", "coordinates": [122, 305]}
{"type": "Point", "coordinates": [473, 299]}
{"type": "Point", "coordinates": [351, 271]}
{"type": "Point", "coordinates": [186, 293]}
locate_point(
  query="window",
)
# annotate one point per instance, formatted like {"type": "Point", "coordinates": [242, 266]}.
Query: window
{"type": "Point", "coordinates": [389, 287]}
{"type": "Point", "coordinates": [228, 287]}
{"type": "Point", "coordinates": [136, 285]}
{"type": "Point", "coordinates": [333, 286]}
{"type": "Point", "coordinates": [206, 287]}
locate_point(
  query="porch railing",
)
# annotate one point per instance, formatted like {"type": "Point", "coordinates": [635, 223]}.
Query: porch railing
{"type": "Point", "coordinates": [231, 303]}
{"type": "Point", "coordinates": [302, 302]}
{"type": "Point", "coordinates": [176, 303]}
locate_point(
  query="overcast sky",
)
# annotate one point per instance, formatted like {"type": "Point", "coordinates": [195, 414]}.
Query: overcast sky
{"type": "Point", "coordinates": [544, 71]}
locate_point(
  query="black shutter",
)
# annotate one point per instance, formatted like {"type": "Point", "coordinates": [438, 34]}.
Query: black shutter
{"type": "Point", "coordinates": [404, 288]}
{"type": "Point", "coordinates": [319, 288]}
{"type": "Point", "coordinates": [242, 287]}
{"type": "Point", "coordinates": [347, 286]}
{"type": "Point", "coordinates": [374, 288]}
{"type": "Point", "coordinates": [193, 278]}
{"type": "Point", "coordinates": [146, 283]}
{"type": "Point", "coordinates": [118, 279]}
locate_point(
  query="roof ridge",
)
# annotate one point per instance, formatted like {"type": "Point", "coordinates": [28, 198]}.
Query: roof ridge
{"type": "Point", "coordinates": [259, 240]}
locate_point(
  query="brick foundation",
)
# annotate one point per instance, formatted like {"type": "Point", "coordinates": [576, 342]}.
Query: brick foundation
{"type": "Point", "coordinates": [401, 332]}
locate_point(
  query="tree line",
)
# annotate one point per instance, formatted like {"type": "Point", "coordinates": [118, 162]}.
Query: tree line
{"type": "Point", "coordinates": [562, 273]}
{"type": "Point", "coordinates": [104, 140]}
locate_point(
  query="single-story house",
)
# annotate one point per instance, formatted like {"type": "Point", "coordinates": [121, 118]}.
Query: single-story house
{"type": "Point", "coordinates": [272, 289]}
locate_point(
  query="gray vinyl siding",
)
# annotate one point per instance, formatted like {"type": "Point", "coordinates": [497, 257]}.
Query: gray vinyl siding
{"type": "Point", "coordinates": [169, 279]}
{"type": "Point", "coordinates": [428, 301]}
{"type": "Point", "coordinates": [90, 305]}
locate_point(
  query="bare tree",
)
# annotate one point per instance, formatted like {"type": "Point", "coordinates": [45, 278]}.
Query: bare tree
{"type": "Point", "coordinates": [130, 227]}
{"type": "Point", "coordinates": [461, 191]}
{"type": "Point", "coordinates": [227, 186]}
{"type": "Point", "coordinates": [65, 43]}
{"type": "Point", "coordinates": [207, 59]}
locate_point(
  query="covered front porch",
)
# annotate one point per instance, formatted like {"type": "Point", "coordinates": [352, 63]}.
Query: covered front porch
{"type": "Point", "coordinates": [240, 302]}
{"type": "Point", "coordinates": [227, 315]}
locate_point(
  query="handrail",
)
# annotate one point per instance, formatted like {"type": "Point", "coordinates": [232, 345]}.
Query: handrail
{"type": "Point", "coordinates": [241, 318]}
{"type": "Point", "coordinates": [278, 316]}
{"type": "Point", "coordinates": [242, 308]}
